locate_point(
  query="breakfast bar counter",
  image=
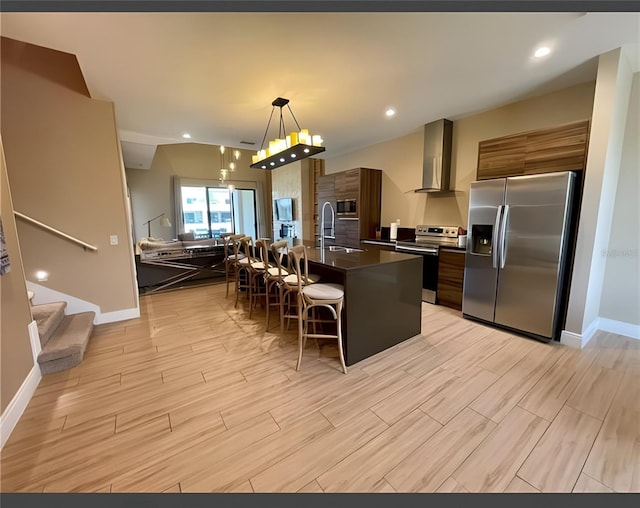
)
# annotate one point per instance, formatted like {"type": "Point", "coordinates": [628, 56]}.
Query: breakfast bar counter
{"type": "Point", "coordinates": [382, 296]}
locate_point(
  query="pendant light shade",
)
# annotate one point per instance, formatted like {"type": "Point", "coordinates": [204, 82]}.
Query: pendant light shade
{"type": "Point", "coordinates": [230, 166]}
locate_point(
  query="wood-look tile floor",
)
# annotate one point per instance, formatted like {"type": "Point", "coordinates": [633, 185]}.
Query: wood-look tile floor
{"type": "Point", "coordinates": [195, 397]}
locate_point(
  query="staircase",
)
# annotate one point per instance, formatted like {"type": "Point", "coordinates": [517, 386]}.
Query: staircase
{"type": "Point", "coordinates": [63, 337]}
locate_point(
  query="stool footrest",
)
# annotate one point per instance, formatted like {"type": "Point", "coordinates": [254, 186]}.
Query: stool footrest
{"type": "Point", "coordinates": [320, 336]}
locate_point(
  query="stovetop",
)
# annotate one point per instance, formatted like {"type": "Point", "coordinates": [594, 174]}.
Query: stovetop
{"type": "Point", "coordinates": [433, 236]}
{"type": "Point", "coordinates": [430, 241]}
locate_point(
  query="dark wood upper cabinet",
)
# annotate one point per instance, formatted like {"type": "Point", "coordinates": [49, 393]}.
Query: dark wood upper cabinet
{"type": "Point", "coordinates": [365, 186]}
{"type": "Point", "coordinates": [562, 148]}
{"type": "Point", "coordinates": [369, 196]}
{"type": "Point", "coordinates": [502, 157]}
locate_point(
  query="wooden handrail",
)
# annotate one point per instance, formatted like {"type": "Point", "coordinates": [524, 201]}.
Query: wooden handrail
{"type": "Point", "coordinates": [56, 231]}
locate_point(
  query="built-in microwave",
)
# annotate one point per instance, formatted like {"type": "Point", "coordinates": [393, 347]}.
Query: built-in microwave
{"type": "Point", "coordinates": [346, 207]}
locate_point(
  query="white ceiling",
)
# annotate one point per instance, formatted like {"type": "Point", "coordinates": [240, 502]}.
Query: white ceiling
{"type": "Point", "coordinates": [215, 75]}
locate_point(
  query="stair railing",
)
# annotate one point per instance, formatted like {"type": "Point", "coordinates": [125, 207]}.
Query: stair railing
{"type": "Point", "coordinates": [73, 239]}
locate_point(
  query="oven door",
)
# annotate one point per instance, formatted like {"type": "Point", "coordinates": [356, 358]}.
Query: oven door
{"type": "Point", "coordinates": [429, 268]}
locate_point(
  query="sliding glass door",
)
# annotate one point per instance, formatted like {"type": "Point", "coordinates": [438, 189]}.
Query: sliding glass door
{"type": "Point", "coordinates": [209, 211]}
{"type": "Point", "coordinates": [244, 211]}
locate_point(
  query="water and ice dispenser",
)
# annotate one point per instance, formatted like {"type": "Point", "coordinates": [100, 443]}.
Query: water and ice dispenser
{"type": "Point", "coordinates": [482, 239]}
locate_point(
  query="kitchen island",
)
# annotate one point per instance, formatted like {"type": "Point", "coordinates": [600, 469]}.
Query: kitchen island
{"type": "Point", "coordinates": [382, 296]}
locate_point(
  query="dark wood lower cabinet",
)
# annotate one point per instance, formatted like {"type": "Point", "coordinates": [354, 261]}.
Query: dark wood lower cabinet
{"type": "Point", "coordinates": [450, 278]}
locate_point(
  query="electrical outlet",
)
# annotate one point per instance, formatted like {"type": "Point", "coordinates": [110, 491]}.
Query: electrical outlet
{"type": "Point", "coordinates": [113, 239]}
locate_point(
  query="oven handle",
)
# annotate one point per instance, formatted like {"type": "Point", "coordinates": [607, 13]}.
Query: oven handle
{"type": "Point", "coordinates": [419, 250]}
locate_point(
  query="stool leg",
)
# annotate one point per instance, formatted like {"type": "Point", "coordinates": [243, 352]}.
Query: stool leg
{"type": "Point", "coordinates": [301, 330]}
{"type": "Point", "coordinates": [280, 289]}
{"type": "Point", "coordinates": [267, 298]}
{"type": "Point", "coordinates": [251, 283]}
{"type": "Point", "coordinates": [237, 283]}
{"type": "Point", "coordinates": [339, 326]}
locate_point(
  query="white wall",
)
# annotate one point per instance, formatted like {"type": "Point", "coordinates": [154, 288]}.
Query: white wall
{"type": "Point", "coordinates": [621, 288]}
{"type": "Point", "coordinates": [611, 103]}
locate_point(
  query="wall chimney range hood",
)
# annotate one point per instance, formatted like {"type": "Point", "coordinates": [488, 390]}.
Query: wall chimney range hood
{"type": "Point", "coordinates": [436, 163]}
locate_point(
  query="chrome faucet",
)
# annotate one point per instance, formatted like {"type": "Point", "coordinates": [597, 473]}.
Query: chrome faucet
{"type": "Point", "coordinates": [332, 236]}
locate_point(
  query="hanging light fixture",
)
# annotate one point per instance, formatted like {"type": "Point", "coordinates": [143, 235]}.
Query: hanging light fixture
{"type": "Point", "coordinates": [225, 168]}
{"type": "Point", "coordinates": [286, 149]}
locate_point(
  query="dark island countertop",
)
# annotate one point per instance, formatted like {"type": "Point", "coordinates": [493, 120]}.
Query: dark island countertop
{"type": "Point", "coordinates": [370, 255]}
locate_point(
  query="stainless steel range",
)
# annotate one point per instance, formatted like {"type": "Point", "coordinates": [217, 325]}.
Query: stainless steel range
{"type": "Point", "coordinates": [427, 242]}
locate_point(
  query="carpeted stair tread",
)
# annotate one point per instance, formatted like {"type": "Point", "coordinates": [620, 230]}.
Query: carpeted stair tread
{"type": "Point", "coordinates": [66, 347]}
{"type": "Point", "coordinates": [48, 317]}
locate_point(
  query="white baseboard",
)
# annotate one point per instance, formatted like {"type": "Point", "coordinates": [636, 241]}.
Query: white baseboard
{"type": "Point", "coordinates": [34, 338]}
{"type": "Point", "coordinates": [571, 339]}
{"type": "Point", "coordinates": [118, 315]}
{"type": "Point", "coordinates": [44, 294]}
{"type": "Point", "coordinates": [18, 404]}
{"type": "Point", "coordinates": [576, 340]}
{"type": "Point", "coordinates": [619, 327]}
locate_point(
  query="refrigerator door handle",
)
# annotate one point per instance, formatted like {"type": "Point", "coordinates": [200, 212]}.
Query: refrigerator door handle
{"type": "Point", "coordinates": [496, 236]}
{"type": "Point", "coordinates": [503, 237]}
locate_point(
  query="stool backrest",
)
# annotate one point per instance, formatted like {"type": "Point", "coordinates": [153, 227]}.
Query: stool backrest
{"type": "Point", "coordinates": [299, 263]}
{"type": "Point", "coordinates": [231, 243]}
{"type": "Point", "coordinates": [278, 251]}
{"type": "Point", "coordinates": [262, 250]}
{"type": "Point", "coordinates": [248, 248]}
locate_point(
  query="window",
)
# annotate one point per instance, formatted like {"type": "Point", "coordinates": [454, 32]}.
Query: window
{"type": "Point", "coordinates": [210, 211]}
{"type": "Point", "coordinates": [192, 217]}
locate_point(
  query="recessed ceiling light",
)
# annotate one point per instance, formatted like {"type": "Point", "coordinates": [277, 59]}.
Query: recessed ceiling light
{"type": "Point", "coordinates": [390, 112]}
{"type": "Point", "coordinates": [186, 135]}
{"type": "Point", "coordinates": [542, 51]}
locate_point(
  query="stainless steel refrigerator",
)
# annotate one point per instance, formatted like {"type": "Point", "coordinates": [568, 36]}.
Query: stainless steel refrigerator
{"type": "Point", "coordinates": [519, 236]}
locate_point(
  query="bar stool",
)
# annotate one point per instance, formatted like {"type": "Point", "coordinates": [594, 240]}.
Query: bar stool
{"type": "Point", "coordinates": [230, 257]}
{"type": "Point", "coordinates": [274, 275]}
{"type": "Point", "coordinates": [312, 296]}
{"type": "Point", "coordinates": [254, 269]}
{"type": "Point", "coordinates": [289, 288]}
{"type": "Point", "coordinates": [257, 273]}
{"type": "Point", "coordinates": [241, 265]}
